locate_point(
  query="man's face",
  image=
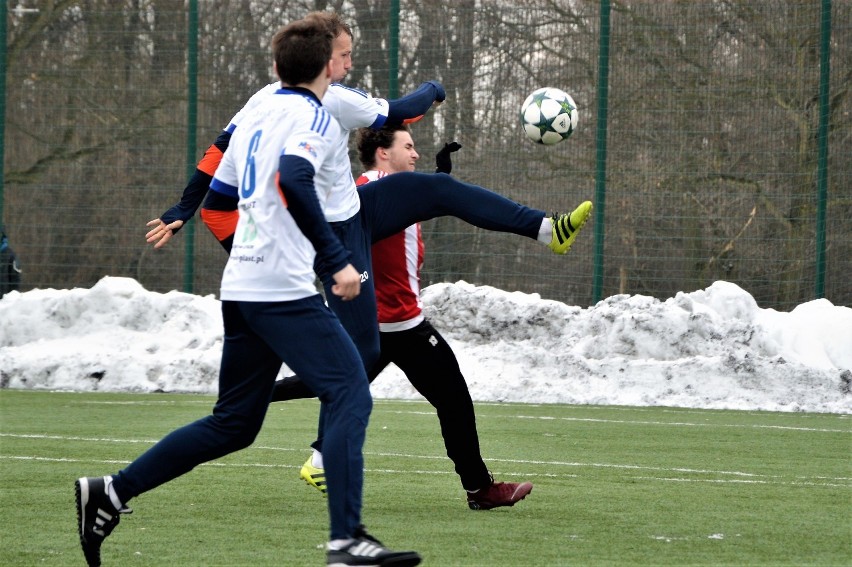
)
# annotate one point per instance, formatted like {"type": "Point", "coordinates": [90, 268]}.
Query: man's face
{"type": "Point", "coordinates": [341, 57]}
{"type": "Point", "coordinates": [401, 156]}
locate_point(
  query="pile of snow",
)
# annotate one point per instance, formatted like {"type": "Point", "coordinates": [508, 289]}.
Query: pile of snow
{"type": "Point", "coordinates": [712, 348]}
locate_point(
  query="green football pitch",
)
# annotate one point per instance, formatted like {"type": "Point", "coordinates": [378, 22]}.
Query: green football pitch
{"type": "Point", "coordinates": [613, 486]}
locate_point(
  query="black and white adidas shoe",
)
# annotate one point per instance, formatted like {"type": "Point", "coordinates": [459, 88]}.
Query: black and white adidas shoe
{"type": "Point", "coordinates": [361, 532]}
{"type": "Point", "coordinates": [96, 516]}
{"type": "Point", "coordinates": [366, 553]}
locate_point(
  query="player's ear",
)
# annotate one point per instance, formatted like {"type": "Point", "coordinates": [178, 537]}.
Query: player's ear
{"type": "Point", "coordinates": [329, 69]}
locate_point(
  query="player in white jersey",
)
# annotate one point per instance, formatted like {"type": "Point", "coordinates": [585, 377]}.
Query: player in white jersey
{"type": "Point", "coordinates": [271, 259]}
{"type": "Point", "coordinates": [272, 312]}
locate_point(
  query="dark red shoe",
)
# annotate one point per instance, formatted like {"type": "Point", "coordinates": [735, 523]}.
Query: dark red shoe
{"type": "Point", "coordinates": [498, 494]}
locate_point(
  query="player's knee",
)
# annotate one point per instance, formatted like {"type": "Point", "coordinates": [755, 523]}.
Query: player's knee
{"type": "Point", "coordinates": [237, 432]}
{"type": "Point", "coordinates": [361, 402]}
{"type": "Point", "coordinates": [350, 399]}
{"type": "Point", "coordinates": [442, 183]}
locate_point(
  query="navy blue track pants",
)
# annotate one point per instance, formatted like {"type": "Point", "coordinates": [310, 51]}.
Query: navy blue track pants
{"type": "Point", "coordinates": [306, 336]}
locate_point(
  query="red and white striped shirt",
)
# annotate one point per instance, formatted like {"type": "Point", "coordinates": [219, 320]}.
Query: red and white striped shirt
{"type": "Point", "coordinates": [396, 273]}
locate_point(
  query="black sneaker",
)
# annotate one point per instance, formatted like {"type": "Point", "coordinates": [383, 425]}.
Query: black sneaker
{"type": "Point", "coordinates": [361, 532]}
{"type": "Point", "coordinates": [96, 516]}
{"type": "Point", "coordinates": [366, 553]}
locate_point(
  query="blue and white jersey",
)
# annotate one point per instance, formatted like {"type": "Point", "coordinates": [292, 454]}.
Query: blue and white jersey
{"type": "Point", "coordinates": [252, 103]}
{"type": "Point", "coordinates": [353, 109]}
{"type": "Point", "coordinates": [271, 260]}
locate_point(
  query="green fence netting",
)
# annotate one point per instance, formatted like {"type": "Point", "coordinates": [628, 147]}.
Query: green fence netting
{"type": "Point", "coordinates": [713, 166]}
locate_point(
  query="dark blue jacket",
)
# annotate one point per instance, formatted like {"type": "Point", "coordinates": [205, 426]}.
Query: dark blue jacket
{"type": "Point", "coordinates": [10, 271]}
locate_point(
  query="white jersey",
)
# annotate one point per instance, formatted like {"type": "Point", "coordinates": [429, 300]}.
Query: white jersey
{"type": "Point", "coordinates": [271, 260]}
{"type": "Point", "coordinates": [353, 109]}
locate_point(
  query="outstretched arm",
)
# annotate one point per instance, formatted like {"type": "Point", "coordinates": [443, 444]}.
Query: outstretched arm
{"type": "Point", "coordinates": [414, 105]}
{"type": "Point", "coordinates": [163, 228]}
{"type": "Point", "coordinates": [171, 221]}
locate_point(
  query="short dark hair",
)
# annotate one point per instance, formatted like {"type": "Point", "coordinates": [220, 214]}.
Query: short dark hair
{"type": "Point", "coordinates": [334, 22]}
{"type": "Point", "coordinates": [301, 50]}
{"type": "Point", "coordinates": [368, 141]}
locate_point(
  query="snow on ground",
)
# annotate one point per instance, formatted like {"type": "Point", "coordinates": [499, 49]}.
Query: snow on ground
{"type": "Point", "coordinates": [712, 348]}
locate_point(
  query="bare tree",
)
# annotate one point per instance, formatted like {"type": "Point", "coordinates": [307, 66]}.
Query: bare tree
{"type": "Point", "coordinates": [712, 146]}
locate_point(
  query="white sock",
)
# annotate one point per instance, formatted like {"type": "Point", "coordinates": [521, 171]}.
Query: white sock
{"type": "Point", "coordinates": [113, 496]}
{"type": "Point", "coordinates": [545, 233]}
{"type": "Point", "coordinates": [336, 544]}
{"type": "Point", "coordinates": [316, 459]}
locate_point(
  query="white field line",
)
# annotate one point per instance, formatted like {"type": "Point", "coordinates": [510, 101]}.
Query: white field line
{"type": "Point", "coordinates": [739, 476]}
{"type": "Point", "coordinates": [546, 418]}
{"type": "Point", "coordinates": [209, 400]}
{"type": "Point", "coordinates": [718, 481]}
{"type": "Point", "coordinates": [653, 409]}
{"type": "Point", "coordinates": [634, 422]}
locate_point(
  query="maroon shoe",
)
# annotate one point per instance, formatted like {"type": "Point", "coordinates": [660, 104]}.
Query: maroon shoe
{"type": "Point", "coordinates": [498, 494]}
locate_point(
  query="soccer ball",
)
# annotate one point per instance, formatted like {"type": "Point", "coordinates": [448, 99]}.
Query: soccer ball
{"type": "Point", "coordinates": [548, 116]}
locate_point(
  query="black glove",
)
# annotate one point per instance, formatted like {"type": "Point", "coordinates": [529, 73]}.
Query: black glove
{"type": "Point", "coordinates": [442, 159]}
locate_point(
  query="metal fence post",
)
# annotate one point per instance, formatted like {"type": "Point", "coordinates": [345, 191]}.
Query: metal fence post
{"type": "Point", "coordinates": [600, 160]}
{"type": "Point", "coordinates": [822, 140]}
{"type": "Point", "coordinates": [191, 127]}
{"type": "Point", "coordinates": [393, 50]}
{"type": "Point", "coordinates": [2, 102]}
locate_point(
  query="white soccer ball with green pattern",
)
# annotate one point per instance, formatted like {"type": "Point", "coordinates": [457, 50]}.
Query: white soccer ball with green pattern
{"type": "Point", "coordinates": [549, 115]}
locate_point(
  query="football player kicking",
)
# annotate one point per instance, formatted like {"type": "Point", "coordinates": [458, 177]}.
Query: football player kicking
{"type": "Point", "coordinates": [408, 339]}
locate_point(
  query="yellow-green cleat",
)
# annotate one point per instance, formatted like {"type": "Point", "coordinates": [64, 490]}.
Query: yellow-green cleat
{"type": "Point", "coordinates": [566, 227]}
{"type": "Point", "coordinates": [313, 476]}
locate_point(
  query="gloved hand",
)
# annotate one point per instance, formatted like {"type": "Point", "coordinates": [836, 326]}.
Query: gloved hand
{"type": "Point", "coordinates": [442, 158]}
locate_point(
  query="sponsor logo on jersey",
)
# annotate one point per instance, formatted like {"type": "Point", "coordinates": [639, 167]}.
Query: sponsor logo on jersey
{"type": "Point", "coordinates": [250, 229]}
{"type": "Point", "coordinates": [305, 146]}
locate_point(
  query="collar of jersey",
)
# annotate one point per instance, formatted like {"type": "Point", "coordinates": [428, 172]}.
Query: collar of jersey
{"type": "Point", "coordinates": [298, 90]}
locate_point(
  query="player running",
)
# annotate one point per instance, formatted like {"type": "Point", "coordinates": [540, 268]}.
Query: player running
{"type": "Point", "coordinates": [272, 312]}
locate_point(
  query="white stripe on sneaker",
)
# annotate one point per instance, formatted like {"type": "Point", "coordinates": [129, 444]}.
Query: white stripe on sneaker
{"type": "Point", "coordinates": [103, 518]}
{"type": "Point", "coordinates": [365, 549]}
